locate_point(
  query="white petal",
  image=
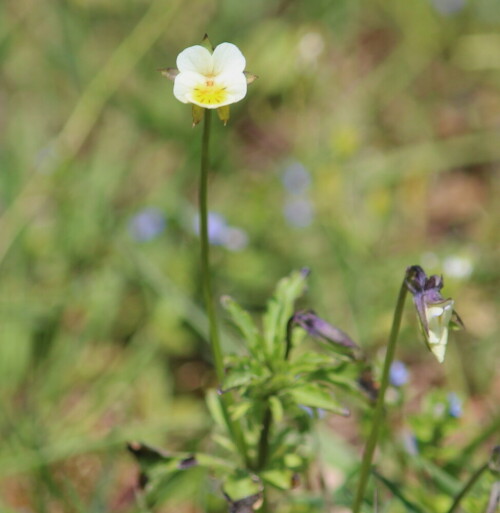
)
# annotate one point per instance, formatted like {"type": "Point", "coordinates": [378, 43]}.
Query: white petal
{"type": "Point", "coordinates": [227, 58]}
{"type": "Point", "coordinates": [196, 58]}
{"type": "Point", "coordinates": [235, 85]}
{"type": "Point", "coordinates": [185, 83]}
{"type": "Point", "coordinates": [439, 351]}
{"type": "Point", "coordinates": [438, 318]}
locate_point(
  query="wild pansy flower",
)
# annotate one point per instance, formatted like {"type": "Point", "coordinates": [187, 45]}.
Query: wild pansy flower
{"type": "Point", "coordinates": [210, 78]}
{"type": "Point", "coordinates": [434, 312]}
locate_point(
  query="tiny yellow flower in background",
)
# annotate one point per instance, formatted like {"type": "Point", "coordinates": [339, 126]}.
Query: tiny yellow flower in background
{"type": "Point", "coordinates": [210, 80]}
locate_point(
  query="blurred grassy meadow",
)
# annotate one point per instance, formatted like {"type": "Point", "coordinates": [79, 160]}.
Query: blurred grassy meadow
{"type": "Point", "coordinates": [370, 142]}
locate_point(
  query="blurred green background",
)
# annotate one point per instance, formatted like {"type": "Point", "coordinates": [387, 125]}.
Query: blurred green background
{"type": "Point", "coordinates": [370, 142]}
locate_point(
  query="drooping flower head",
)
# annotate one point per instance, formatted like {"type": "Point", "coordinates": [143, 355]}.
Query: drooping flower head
{"type": "Point", "coordinates": [434, 312]}
{"type": "Point", "coordinates": [210, 79]}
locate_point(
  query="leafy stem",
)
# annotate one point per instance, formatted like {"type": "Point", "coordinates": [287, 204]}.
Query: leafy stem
{"type": "Point", "coordinates": [379, 406]}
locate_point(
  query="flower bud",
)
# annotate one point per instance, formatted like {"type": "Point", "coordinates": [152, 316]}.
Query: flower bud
{"type": "Point", "coordinates": [434, 312]}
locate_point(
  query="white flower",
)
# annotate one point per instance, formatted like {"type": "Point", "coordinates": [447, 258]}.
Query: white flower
{"type": "Point", "coordinates": [210, 80]}
{"type": "Point", "coordinates": [438, 317]}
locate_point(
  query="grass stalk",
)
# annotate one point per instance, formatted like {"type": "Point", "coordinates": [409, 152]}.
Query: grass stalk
{"type": "Point", "coordinates": [379, 406]}
{"type": "Point", "coordinates": [467, 486]}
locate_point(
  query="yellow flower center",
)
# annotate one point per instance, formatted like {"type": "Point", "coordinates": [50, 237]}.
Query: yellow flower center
{"type": "Point", "coordinates": [209, 93]}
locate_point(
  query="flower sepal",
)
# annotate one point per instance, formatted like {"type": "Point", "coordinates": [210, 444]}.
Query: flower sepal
{"type": "Point", "coordinates": [169, 73]}
{"type": "Point", "coordinates": [206, 43]}
{"type": "Point", "coordinates": [198, 113]}
{"type": "Point", "coordinates": [223, 113]}
{"type": "Point", "coordinates": [250, 77]}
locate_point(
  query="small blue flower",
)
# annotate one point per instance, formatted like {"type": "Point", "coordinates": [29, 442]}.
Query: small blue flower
{"type": "Point", "coordinates": [220, 233]}
{"type": "Point", "coordinates": [410, 442]}
{"type": "Point", "coordinates": [398, 374]}
{"type": "Point", "coordinates": [235, 239]}
{"type": "Point", "coordinates": [448, 7]}
{"type": "Point", "coordinates": [296, 179]}
{"type": "Point", "coordinates": [454, 405]}
{"type": "Point", "coordinates": [298, 212]}
{"type": "Point", "coordinates": [217, 228]}
{"type": "Point", "coordinates": [147, 224]}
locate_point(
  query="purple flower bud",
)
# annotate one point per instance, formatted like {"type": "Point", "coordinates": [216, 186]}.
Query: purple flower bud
{"type": "Point", "coordinates": [147, 224]}
{"type": "Point", "coordinates": [398, 374]}
{"type": "Point", "coordinates": [321, 329]}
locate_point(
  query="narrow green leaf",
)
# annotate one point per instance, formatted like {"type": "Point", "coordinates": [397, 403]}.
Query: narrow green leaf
{"type": "Point", "coordinates": [280, 309]}
{"type": "Point", "coordinates": [317, 397]}
{"type": "Point", "coordinates": [444, 481]}
{"type": "Point", "coordinates": [394, 488]}
{"type": "Point", "coordinates": [237, 377]}
{"type": "Point", "coordinates": [293, 461]}
{"type": "Point", "coordinates": [244, 322]}
{"type": "Point", "coordinates": [215, 408]}
{"type": "Point", "coordinates": [240, 409]}
{"type": "Point", "coordinates": [224, 442]}
{"type": "Point", "coordinates": [242, 484]}
{"type": "Point", "coordinates": [279, 478]}
{"type": "Point", "coordinates": [214, 463]}
{"type": "Point", "coordinates": [276, 408]}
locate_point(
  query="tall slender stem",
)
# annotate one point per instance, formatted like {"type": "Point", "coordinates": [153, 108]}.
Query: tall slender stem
{"type": "Point", "coordinates": [470, 483]}
{"type": "Point", "coordinates": [205, 249]}
{"type": "Point", "coordinates": [226, 400]}
{"type": "Point", "coordinates": [379, 406]}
